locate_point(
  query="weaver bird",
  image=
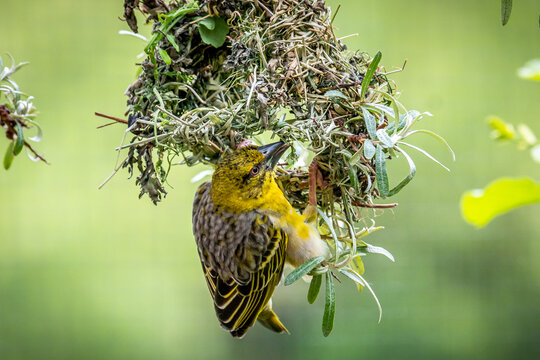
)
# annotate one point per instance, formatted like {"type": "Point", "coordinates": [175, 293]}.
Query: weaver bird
{"type": "Point", "coordinates": [245, 231]}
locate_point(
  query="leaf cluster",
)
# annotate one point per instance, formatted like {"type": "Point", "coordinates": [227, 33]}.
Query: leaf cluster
{"type": "Point", "coordinates": [16, 115]}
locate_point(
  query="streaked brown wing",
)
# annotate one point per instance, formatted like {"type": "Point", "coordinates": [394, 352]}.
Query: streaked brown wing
{"type": "Point", "coordinates": [238, 304]}
{"type": "Point", "coordinates": [242, 257]}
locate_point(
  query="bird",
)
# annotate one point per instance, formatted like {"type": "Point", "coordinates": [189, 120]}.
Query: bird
{"type": "Point", "coordinates": [246, 230]}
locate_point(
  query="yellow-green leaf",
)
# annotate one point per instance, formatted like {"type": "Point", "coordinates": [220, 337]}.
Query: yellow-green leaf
{"type": "Point", "coordinates": [480, 206]}
{"type": "Point", "coordinates": [358, 265]}
{"type": "Point", "coordinates": [531, 70]}
{"type": "Point", "coordinates": [8, 156]}
{"type": "Point", "coordinates": [501, 129]}
{"type": "Point", "coordinates": [165, 56]}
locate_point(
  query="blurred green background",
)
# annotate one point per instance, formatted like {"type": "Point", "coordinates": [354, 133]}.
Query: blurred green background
{"type": "Point", "coordinates": [100, 274]}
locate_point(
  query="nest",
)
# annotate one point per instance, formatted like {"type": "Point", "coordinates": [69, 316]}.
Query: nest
{"type": "Point", "coordinates": [222, 72]}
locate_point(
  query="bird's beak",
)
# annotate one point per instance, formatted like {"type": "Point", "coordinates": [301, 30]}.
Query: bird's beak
{"type": "Point", "coordinates": [272, 153]}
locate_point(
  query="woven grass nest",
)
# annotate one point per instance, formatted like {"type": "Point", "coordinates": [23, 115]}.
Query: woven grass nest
{"type": "Point", "coordinates": [218, 73]}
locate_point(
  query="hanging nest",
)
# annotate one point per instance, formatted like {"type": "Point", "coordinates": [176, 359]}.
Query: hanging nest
{"type": "Point", "coordinates": [219, 73]}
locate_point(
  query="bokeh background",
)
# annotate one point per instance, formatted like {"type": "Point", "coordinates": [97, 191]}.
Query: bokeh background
{"type": "Point", "coordinates": [100, 274]}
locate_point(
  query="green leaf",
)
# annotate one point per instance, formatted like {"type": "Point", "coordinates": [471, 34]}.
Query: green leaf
{"type": "Point", "coordinates": [480, 206]}
{"type": "Point", "coordinates": [335, 94]}
{"type": "Point", "coordinates": [366, 248]}
{"type": "Point", "coordinates": [436, 136]}
{"type": "Point", "coordinates": [8, 156]}
{"type": "Point", "coordinates": [213, 35]}
{"type": "Point", "coordinates": [303, 269]}
{"type": "Point", "coordinates": [165, 56]}
{"type": "Point", "coordinates": [19, 143]}
{"type": "Point", "coordinates": [171, 39]}
{"type": "Point", "coordinates": [329, 306]}
{"type": "Point", "coordinates": [530, 71]}
{"type": "Point", "coordinates": [369, 149]}
{"type": "Point", "coordinates": [209, 23]}
{"type": "Point", "coordinates": [314, 288]}
{"type": "Point", "coordinates": [355, 158]}
{"type": "Point", "coordinates": [428, 155]}
{"type": "Point", "coordinates": [357, 278]}
{"type": "Point", "coordinates": [506, 9]}
{"type": "Point", "coordinates": [412, 172]}
{"type": "Point", "coordinates": [167, 23]}
{"type": "Point", "coordinates": [380, 172]}
{"type": "Point", "coordinates": [353, 175]}
{"type": "Point", "coordinates": [383, 136]}
{"type": "Point", "coordinates": [371, 123]}
{"type": "Point", "coordinates": [501, 129]}
{"type": "Point", "coordinates": [369, 73]}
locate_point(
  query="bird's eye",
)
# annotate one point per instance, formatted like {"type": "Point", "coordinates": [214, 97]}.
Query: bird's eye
{"type": "Point", "coordinates": [255, 170]}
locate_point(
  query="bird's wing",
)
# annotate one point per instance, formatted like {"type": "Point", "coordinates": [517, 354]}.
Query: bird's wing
{"type": "Point", "coordinates": [241, 270]}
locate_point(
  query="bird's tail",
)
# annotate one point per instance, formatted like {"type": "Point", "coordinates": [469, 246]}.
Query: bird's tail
{"type": "Point", "coordinates": [270, 320]}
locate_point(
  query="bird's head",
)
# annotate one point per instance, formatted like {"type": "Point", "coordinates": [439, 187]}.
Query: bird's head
{"type": "Point", "coordinates": [244, 178]}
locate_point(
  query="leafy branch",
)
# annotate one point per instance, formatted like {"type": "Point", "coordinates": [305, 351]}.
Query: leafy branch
{"type": "Point", "coordinates": [17, 116]}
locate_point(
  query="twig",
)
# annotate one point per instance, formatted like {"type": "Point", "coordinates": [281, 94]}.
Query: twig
{"type": "Point", "coordinates": [374, 206]}
{"type": "Point", "coordinates": [111, 118]}
{"type": "Point", "coordinates": [112, 174]}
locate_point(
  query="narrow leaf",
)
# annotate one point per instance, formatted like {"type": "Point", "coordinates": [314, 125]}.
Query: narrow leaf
{"type": "Point", "coordinates": [335, 94]}
{"type": "Point", "coordinates": [172, 41]}
{"type": "Point", "coordinates": [19, 143]}
{"type": "Point", "coordinates": [366, 248]}
{"type": "Point", "coordinates": [314, 288]}
{"type": "Point", "coordinates": [303, 269]}
{"type": "Point", "coordinates": [165, 56]}
{"type": "Point", "coordinates": [351, 274]}
{"type": "Point", "coordinates": [436, 136]}
{"type": "Point", "coordinates": [380, 172]}
{"type": "Point", "coordinates": [8, 156]}
{"type": "Point", "coordinates": [369, 73]}
{"type": "Point", "coordinates": [371, 124]}
{"type": "Point", "coordinates": [329, 306]}
{"type": "Point", "coordinates": [412, 172]}
{"type": "Point", "coordinates": [356, 157]}
{"type": "Point", "coordinates": [385, 138]}
{"type": "Point", "coordinates": [369, 149]}
{"type": "Point", "coordinates": [506, 9]}
{"type": "Point", "coordinates": [426, 154]}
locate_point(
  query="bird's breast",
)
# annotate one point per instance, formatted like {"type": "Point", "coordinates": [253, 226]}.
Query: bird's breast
{"type": "Point", "coordinates": [304, 241]}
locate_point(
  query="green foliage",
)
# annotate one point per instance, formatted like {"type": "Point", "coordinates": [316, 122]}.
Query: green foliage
{"type": "Point", "coordinates": [314, 288]}
{"type": "Point", "coordinates": [480, 206]}
{"type": "Point", "coordinates": [16, 115]}
{"type": "Point", "coordinates": [506, 10]}
{"type": "Point", "coordinates": [213, 31]}
{"type": "Point", "coordinates": [303, 269]}
{"type": "Point", "coordinates": [370, 72]}
{"type": "Point", "coordinates": [329, 305]}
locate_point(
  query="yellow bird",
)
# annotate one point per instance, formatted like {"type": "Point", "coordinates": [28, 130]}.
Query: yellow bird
{"type": "Point", "coordinates": [245, 230]}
